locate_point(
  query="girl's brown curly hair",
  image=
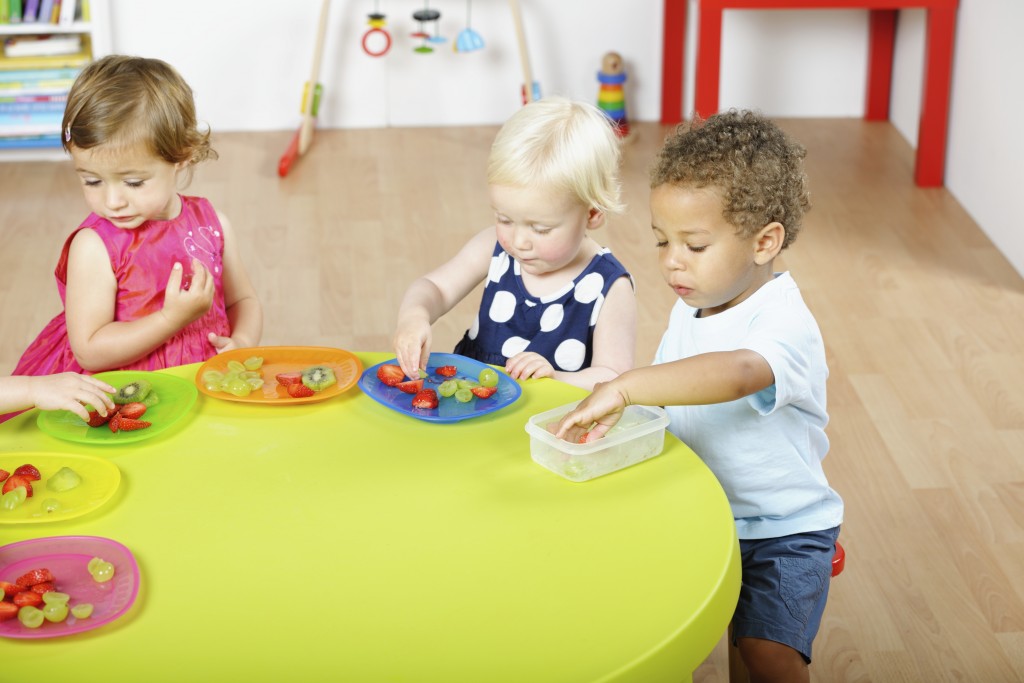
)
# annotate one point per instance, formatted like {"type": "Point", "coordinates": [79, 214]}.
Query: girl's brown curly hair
{"type": "Point", "coordinates": [757, 168]}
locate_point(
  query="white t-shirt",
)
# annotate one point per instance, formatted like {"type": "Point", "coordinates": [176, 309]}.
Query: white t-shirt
{"type": "Point", "coordinates": [766, 449]}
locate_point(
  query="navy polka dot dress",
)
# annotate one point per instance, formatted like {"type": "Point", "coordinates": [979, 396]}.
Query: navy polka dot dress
{"type": "Point", "coordinates": [559, 327]}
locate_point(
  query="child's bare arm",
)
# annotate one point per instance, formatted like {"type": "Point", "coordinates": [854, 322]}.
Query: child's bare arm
{"type": "Point", "coordinates": [98, 341]}
{"type": "Point", "coordinates": [434, 294]}
{"type": "Point", "coordinates": [699, 380]}
{"type": "Point", "coordinates": [245, 313]}
{"type": "Point", "coordinates": [65, 391]}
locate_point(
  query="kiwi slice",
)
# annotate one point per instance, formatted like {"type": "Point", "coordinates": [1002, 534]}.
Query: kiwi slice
{"type": "Point", "coordinates": [151, 399]}
{"type": "Point", "coordinates": [132, 392]}
{"type": "Point", "coordinates": [318, 377]}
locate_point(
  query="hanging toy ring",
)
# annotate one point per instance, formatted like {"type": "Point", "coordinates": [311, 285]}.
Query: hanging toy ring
{"type": "Point", "coordinates": [376, 24]}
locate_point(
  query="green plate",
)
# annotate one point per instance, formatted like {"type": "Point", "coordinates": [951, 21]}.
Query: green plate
{"type": "Point", "coordinates": [176, 398]}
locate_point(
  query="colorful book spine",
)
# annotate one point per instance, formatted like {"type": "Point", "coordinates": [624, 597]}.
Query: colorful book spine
{"type": "Point", "coordinates": [15, 6]}
{"type": "Point", "coordinates": [67, 12]}
{"type": "Point", "coordinates": [45, 12]}
{"type": "Point", "coordinates": [31, 11]}
{"type": "Point", "coordinates": [29, 108]}
{"type": "Point", "coordinates": [29, 141]}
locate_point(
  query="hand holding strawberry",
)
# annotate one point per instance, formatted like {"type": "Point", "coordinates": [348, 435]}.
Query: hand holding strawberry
{"type": "Point", "coordinates": [183, 306]}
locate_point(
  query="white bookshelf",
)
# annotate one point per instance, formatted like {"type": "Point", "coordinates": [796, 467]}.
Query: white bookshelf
{"type": "Point", "coordinates": [98, 31]}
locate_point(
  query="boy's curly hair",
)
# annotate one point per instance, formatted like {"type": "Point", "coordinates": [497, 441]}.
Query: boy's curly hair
{"type": "Point", "coordinates": [757, 168]}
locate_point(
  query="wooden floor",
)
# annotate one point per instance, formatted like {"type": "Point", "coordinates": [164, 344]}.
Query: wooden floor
{"type": "Point", "coordinates": [923, 321]}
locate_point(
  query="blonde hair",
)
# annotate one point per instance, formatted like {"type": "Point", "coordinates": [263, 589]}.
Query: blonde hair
{"type": "Point", "coordinates": [121, 101]}
{"type": "Point", "coordinates": [562, 144]}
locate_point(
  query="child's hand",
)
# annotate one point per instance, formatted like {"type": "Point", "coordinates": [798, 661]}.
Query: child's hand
{"type": "Point", "coordinates": [71, 391]}
{"type": "Point", "coordinates": [182, 306]}
{"type": "Point", "coordinates": [222, 344]}
{"type": "Point", "coordinates": [412, 347]}
{"type": "Point", "coordinates": [603, 407]}
{"type": "Point", "coordinates": [528, 364]}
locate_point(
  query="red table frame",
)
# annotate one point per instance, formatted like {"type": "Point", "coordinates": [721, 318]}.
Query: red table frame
{"type": "Point", "coordinates": [930, 161]}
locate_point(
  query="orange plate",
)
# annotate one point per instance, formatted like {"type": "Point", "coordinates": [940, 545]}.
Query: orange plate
{"type": "Point", "coordinates": [277, 359]}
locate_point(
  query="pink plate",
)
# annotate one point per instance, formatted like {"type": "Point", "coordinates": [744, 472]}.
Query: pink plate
{"type": "Point", "coordinates": [66, 557]}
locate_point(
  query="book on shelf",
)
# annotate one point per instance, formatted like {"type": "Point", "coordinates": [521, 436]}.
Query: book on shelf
{"type": "Point", "coordinates": [36, 45]}
{"type": "Point", "coordinates": [75, 60]}
{"type": "Point", "coordinates": [30, 107]}
{"type": "Point", "coordinates": [67, 12]}
{"type": "Point", "coordinates": [31, 11]}
{"type": "Point", "coordinates": [39, 123]}
{"type": "Point", "coordinates": [40, 83]}
{"type": "Point", "coordinates": [29, 141]}
{"type": "Point", "coordinates": [14, 9]}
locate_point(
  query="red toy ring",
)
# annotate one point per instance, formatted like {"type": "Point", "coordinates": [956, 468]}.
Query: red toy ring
{"type": "Point", "coordinates": [387, 42]}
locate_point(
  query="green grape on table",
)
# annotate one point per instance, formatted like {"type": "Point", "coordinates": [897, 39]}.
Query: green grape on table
{"type": "Point", "coordinates": [51, 505]}
{"type": "Point", "coordinates": [101, 570]}
{"type": "Point", "coordinates": [463, 395]}
{"type": "Point", "coordinates": [82, 610]}
{"type": "Point", "coordinates": [55, 611]}
{"type": "Point", "coordinates": [447, 388]}
{"type": "Point", "coordinates": [253, 363]}
{"type": "Point", "coordinates": [30, 617]}
{"type": "Point", "coordinates": [13, 498]}
{"type": "Point", "coordinates": [55, 597]}
{"type": "Point", "coordinates": [488, 377]}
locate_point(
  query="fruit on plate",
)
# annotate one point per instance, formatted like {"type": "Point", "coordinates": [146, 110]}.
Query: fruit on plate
{"type": "Point", "coordinates": [33, 577]}
{"type": "Point", "coordinates": [18, 481]}
{"type": "Point", "coordinates": [300, 390]}
{"type": "Point", "coordinates": [30, 617]}
{"type": "Point", "coordinates": [447, 370]}
{"type": "Point", "coordinates": [63, 479]}
{"type": "Point", "coordinates": [97, 420]}
{"type": "Point", "coordinates": [425, 399]}
{"type": "Point", "coordinates": [447, 388]}
{"type": "Point", "coordinates": [82, 610]}
{"type": "Point", "coordinates": [101, 570]}
{"type": "Point", "coordinates": [13, 498]}
{"type": "Point", "coordinates": [127, 424]}
{"type": "Point", "coordinates": [484, 392]}
{"type": "Point", "coordinates": [286, 379]}
{"type": "Point", "coordinates": [3, 475]}
{"type": "Point", "coordinates": [132, 410]}
{"type": "Point", "coordinates": [8, 610]}
{"type": "Point", "coordinates": [30, 471]}
{"type": "Point", "coordinates": [318, 377]}
{"type": "Point", "coordinates": [390, 374]}
{"type": "Point", "coordinates": [253, 363]}
{"type": "Point", "coordinates": [27, 597]}
{"type": "Point", "coordinates": [488, 377]}
{"type": "Point", "coordinates": [410, 386]}
{"type": "Point", "coordinates": [7, 589]}
{"type": "Point", "coordinates": [132, 392]}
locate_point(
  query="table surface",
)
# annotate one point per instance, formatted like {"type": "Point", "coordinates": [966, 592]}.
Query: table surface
{"type": "Point", "coordinates": [344, 541]}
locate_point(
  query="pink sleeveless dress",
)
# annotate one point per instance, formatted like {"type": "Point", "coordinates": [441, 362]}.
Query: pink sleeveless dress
{"type": "Point", "coordinates": [142, 259]}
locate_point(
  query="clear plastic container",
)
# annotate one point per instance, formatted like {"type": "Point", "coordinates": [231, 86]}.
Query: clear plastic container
{"type": "Point", "coordinates": [637, 436]}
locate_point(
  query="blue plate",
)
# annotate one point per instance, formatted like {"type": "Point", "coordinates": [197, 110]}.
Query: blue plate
{"type": "Point", "coordinates": [448, 409]}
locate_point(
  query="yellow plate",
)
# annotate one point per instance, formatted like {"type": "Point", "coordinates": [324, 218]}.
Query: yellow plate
{"type": "Point", "coordinates": [100, 479]}
{"type": "Point", "coordinates": [277, 359]}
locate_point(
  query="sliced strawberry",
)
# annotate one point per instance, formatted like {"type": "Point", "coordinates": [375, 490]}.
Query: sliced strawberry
{"type": "Point", "coordinates": [299, 390]}
{"type": "Point", "coordinates": [30, 471]}
{"type": "Point", "coordinates": [412, 386]}
{"type": "Point", "coordinates": [16, 480]}
{"type": "Point", "coordinates": [425, 399]}
{"type": "Point", "coordinates": [44, 587]}
{"type": "Point", "coordinates": [28, 598]}
{"type": "Point", "coordinates": [390, 374]}
{"type": "Point", "coordinates": [33, 577]}
{"type": "Point", "coordinates": [127, 424]}
{"type": "Point", "coordinates": [8, 610]}
{"type": "Point", "coordinates": [8, 589]}
{"type": "Point", "coordinates": [133, 411]}
{"type": "Point", "coordinates": [4, 474]}
{"type": "Point", "coordinates": [115, 423]}
{"type": "Point", "coordinates": [287, 379]}
{"type": "Point", "coordinates": [484, 392]}
{"type": "Point", "coordinates": [97, 420]}
{"type": "Point", "coordinates": [447, 370]}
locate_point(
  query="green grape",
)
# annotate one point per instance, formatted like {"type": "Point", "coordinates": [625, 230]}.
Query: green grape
{"type": "Point", "coordinates": [55, 611]}
{"type": "Point", "coordinates": [463, 395]}
{"type": "Point", "coordinates": [55, 597]}
{"type": "Point", "coordinates": [467, 383]}
{"type": "Point", "coordinates": [249, 374]}
{"type": "Point", "coordinates": [30, 617]}
{"type": "Point", "coordinates": [212, 377]}
{"type": "Point", "coordinates": [102, 571]}
{"type": "Point", "coordinates": [238, 387]}
{"type": "Point", "coordinates": [255, 383]}
{"type": "Point", "coordinates": [235, 366]}
{"type": "Point", "coordinates": [488, 378]}
{"type": "Point", "coordinates": [93, 563]}
{"type": "Point", "coordinates": [213, 386]}
{"type": "Point", "coordinates": [253, 363]}
{"type": "Point", "coordinates": [447, 388]}
{"type": "Point", "coordinates": [13, 498]}
{"type": "Point", "coordinates": [51, 505]}
{"type": "Point", "coordinates": [64, 479]}
{"type": "Point", "coordinates": [82, 611]}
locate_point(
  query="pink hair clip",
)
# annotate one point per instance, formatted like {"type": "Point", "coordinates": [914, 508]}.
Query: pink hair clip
{"type": "Point", "coordinates": [67, 133]}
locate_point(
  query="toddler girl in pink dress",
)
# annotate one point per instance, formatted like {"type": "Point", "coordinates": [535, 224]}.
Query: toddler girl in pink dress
{"type": "Point", "coordinates": [151, 278]}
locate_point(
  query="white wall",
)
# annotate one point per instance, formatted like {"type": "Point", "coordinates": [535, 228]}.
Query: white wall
{"type": "Point", "coordinates": [247, 69]}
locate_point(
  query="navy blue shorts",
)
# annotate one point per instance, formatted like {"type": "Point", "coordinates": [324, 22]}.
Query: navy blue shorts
{"type": "Point", "coordinates": [785, 586]}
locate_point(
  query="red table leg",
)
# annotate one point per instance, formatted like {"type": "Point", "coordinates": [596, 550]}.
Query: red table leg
{"type": "Point", "coordinates": [672, 56]}
{"type": "Point", "coordinates": [709, 55]}
{"type": "Point", "coordinates": [881, 41]}
{"type": "Point", "coordinates": [930, 166]}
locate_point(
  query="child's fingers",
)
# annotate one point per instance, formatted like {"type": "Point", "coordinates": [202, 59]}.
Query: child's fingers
{"type": "Point", "coordinates": [174, 281]}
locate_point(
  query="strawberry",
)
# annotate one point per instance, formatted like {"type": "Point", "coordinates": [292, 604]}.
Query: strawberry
{"type": "Point", "coordinates": [425, 399]}
{"type": "Point", "coordinates": [33, 577]}
{"type": "Point", "coordinates": [390, 375]}
{"type": "Point", "coordinates": [115, 423]}
{"type": "Point", "coordinates": [4, 474]}
{"type": "Point", "coordinates": [299, 390]}
{"type": "Point", "coordinates": [8, 589]}
{"type": "Point", "coordinates": [286, 379]}
{"type": "Point", "coordinates": [28, 598]}
{"type": "Point", "coordinates": [8, 610]}
{"type": "Point", "coordinates": [97, 420]}
{"type": "Point", "coordinates": [412, 386]}
{"type": "Point", "coordinates": [127, 424]}
{"type": "Point", "coordinates": [16, 480]}
{"type": "Point", "coordinates": [447, 370]}
{"type": "Point", "coordinates": [30, 471]}
{"type": "Point", "coordinates": [44, 587]}
{"type": "Point", "coordinates": [484, 392]}
{"type": "Point", "coordinates": [133, 411]}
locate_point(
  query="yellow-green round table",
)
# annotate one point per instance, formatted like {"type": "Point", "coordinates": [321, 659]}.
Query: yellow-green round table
{"type": "Point", "coordinates": [344, 541]}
